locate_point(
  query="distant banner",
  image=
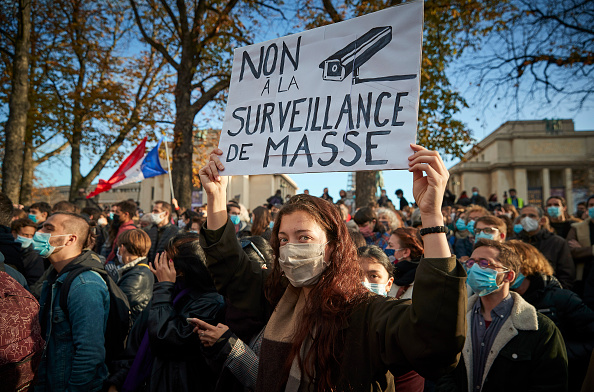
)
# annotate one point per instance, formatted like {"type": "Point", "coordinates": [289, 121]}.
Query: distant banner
{"type": "Point", "coordinates": [343, 97]}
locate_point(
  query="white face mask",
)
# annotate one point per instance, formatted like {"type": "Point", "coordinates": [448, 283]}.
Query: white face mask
{"type": "Point", "coordinates": [377, 288]}
{"type": "Point", "coordinates": [529, 224]}
{"type": "Point", "coordinates": [302, 264]}
{"type": "Point", "coordinates": [157, 218]}
{"type": "Point", "coordinates": [102, 222]}
{"type": "Point", "coordinates": [119, 257]}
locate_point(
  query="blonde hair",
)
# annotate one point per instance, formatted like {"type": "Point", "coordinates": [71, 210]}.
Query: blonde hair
{"type": "Point", "coordinates": [533, 262]}
{"type": "Point", "coordinates": [474, 208]}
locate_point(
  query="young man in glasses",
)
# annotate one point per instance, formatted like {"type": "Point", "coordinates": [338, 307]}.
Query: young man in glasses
{"type": "Point", "coordinates": [509, 345]}
{"type": "Point", "coordinates": [490, 227]}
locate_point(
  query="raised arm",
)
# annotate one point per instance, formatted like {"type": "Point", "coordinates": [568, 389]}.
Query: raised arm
{"type": "Point", "coordinates": [215, 187]}
{"type": "Point", "coordinates": [428, 191]}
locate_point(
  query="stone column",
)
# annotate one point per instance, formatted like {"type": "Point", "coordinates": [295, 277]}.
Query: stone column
{"type": "Point", "coordinates": [521, 183]}
{"type": "Point", "coordinates": [546, 184]}
{"type": "Point", "coordinates": [569, 190]}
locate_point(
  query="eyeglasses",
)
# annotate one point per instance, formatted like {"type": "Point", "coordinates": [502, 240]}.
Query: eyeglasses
{"type": "Point", "coordinates": [483, 263]}
{"type": "Point", "coordinates": [245, 243]}
{"type": "Point", "coordinates": [486, 230]}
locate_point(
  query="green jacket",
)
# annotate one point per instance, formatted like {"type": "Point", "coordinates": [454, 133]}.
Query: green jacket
{"type": "Point", "coordinates": [528, 354]}
{"type": "Point", "coordinates": [381, 335]}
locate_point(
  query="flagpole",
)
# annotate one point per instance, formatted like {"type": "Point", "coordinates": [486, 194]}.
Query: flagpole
{"type": "Point", "coordinates": [169, 170]}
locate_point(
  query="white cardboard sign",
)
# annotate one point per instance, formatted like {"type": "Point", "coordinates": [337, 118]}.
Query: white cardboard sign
{"type": "Point", "coordinates": [343, 97]}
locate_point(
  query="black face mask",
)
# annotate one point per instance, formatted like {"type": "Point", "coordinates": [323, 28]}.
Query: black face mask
{"type": "Point", "coordinates": [116, 221]}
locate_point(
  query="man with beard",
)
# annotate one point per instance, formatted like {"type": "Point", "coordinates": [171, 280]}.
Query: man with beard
{"type": "Point", "coordinates": [124, 211]}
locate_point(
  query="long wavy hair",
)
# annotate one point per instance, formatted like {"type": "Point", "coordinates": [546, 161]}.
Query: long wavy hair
{"type": "Point", "coordinates": [261, 220]}
{"type": "Point", "coordinates": [331, 301]}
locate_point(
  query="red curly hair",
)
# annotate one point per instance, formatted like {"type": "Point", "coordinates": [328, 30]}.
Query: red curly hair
{"type": "Point", "coordinates": [331, 300]}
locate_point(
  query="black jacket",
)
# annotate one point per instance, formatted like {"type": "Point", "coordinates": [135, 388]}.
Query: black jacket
{"type": "Point", "coordinates": [556, 250]}
{"type": "Point", "coordinates": [137, 283]}
{"type": "Point", "coordinates": [573, 318]}
{"type": "Point", "coordinates": [159, 236]}
{"type": "Point", "coordinates": [178, 363]}
{"type": "Point", "coordinates": [25, 260]}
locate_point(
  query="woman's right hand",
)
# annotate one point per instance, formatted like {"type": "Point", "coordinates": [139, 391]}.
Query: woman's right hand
{"type": "Point", "coordinates": [210, 178]}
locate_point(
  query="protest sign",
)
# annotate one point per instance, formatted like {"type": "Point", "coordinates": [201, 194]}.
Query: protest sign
{"type": "Point", "coordinates": [342, 97]}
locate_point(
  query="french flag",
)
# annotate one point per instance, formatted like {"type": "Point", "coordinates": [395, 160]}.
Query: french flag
{"type": "Point", "coordinates": [136, 167]}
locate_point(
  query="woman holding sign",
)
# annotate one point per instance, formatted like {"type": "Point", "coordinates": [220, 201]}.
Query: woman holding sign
{"type": "Point", "coordinates": [324, 329]}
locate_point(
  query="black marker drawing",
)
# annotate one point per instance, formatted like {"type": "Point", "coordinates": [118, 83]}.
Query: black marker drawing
{"type": "Point", "coordinates": [340, 65]}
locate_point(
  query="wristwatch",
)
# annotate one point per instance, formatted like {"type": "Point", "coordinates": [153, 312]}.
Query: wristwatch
{"type": "Point", "coordinates": [433, 230]}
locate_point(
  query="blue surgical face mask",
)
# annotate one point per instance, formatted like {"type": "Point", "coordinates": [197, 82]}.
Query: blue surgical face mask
{"type": "Point", "coordinates": [484, 235]}
{"type": "Point", "coordinates": [33, 218]}
{"type": "Point", "coordinates": [470, 227]}
{"type": "Point", "coordinates": [474, 193]}
{"type": "Point", "coordinates": [518, 228]}
{"type": "Point", "coordinates": [377, 288]}
{"type": "Point", "coordinates": [482, 281]}
{"type": "Point", "coordinates": [389, 252]}
{"type": "Point", "coordinates": [554, 211]}
{"type": "Point", "coordinates": [271, 225]}
{"type": "Point", "coordinates": [460, 224]}
{"type": "Point", "coordinates": [111, 214]}
{"type": "Point", "coordinates": [591, 212]}
{"type": "Point", "coordinates": [25, 242]}
{"type": "Point", "coordinates": [235, 219]}
{"type": "Point", "coordinates": [41, 243]}
{"type": "Point", "coordinates": [518, 282]}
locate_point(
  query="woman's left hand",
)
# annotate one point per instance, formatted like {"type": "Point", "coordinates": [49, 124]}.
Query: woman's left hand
{"type": "Point", "coordinates": [163, 268]}
{"type": "Point", "coordinates": [209, 334]}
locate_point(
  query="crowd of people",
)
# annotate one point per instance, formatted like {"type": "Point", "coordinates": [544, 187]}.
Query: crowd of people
{"type": "Point", "coordinates": [301, 293]}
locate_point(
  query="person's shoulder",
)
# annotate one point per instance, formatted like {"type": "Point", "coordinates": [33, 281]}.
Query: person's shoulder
{"type": "Point", "coordinates": [546, 326]}
{"type": "Point", "coordinates": [89, 277]}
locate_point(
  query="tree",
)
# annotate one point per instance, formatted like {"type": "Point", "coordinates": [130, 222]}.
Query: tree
{"type": "Point", "coordinates": [450, 27]}
{"type": "Point", "coordinates": [543, 51]}
{"type": "Point", "coordinates": [19, 105]}
{"type": "Point", "coordinates": [196, 39]}
{"type": "Point", "coordinates": [103, 98]}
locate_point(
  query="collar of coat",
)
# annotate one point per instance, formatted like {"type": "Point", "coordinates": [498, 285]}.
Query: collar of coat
{"type": "Point", "coordinates": [521, 318]}
{"type": "Point", "coordinates": [582, 229]}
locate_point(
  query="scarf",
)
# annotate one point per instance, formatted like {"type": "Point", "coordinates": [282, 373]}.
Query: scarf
{"type": "Point", "coordinates": [404, 272]}
{"type": "Point", "coordinates": [281, 328]}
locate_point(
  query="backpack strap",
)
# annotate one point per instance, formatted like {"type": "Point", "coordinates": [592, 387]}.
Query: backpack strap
{"type": "Point", "coordinates": [65, 290]}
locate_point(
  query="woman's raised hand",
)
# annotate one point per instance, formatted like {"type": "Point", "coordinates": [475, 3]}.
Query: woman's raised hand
{"type": "Point", "coordinates": [163, 268]}
{"type": "Point", "coordinates": [428, 189]}
{"type": "Point", "coordinates": [210, 178]}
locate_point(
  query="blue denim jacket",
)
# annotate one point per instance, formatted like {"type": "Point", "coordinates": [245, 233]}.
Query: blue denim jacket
{"type": "Point", "coordinates": [74, 356]}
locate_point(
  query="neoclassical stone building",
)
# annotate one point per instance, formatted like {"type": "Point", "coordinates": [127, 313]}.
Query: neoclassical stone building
{"type": "Point", "coordinates": [538, 158]}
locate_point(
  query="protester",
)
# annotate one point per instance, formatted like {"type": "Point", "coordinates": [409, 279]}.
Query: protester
{"type": "Point", "coordinates": [581, 244]}
{"type": "Point", "coordinates": [509, 346]}
{"type": "Point", "coordinates": [65, 206]}
{"type": "Point", "coordinates": [556, 211]}
{"type": "Point", "coordinates": [553, 247]}
{"type": "Point", "coordinates": [378, 278]}
{"type": "Point", "coordinates": [23, 230]}
{"type": "Point", "coordinates": [477, 199]}
{"type": "Point", "coordinates": [124, 211]}
{"type": "Point", "coordinates": [195, 225]}
{"type": "Point", "coordinates": [261, 222]}
{"type": "Point", "coordinates": [383, 200]}
{"type": "Point", "coordinates": [18, 256]}
{"type": "Point", "coordinates": [403, 202]}
{"type": "Point", "coordinates": [537, 285]}
{"type": "Point", "coordinates": [163, 354]}
{"type": "Point", "coordinates": [161, 229]}
{"type": "Point", "coordinates": [581, 211]}
{"type": "Point", "coordinates": [514, 200]}
{"type": "Point", "coordinates": [326, 196]}
{"type": "Point", "coordinates": [277, 198]}
{"type": "Point", "coordinates": [407, 247]}
{"type": "Point", "coordinates": [463, 200]}
{"type": "Point", "coordinates": [310, 228]}
{"type": "Point", "coordinates": [242, 227]}
{"type": "Point", "coordinates": [373, 231]}
{"type": "Point", "coordinates": [134, 276]}
{"type": "Point", "coordinates": [74, 356]}
{"type": "Point", "coordinates": [491, 228]}
{"type": "Point", "coordinates": [389, 219]}
{"type": "Point", "coordinates": [18, 213]}
{"type": "Point", "coordinates": [38, 212]}
{"type": "Point", "coordinates": [465, 231]}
